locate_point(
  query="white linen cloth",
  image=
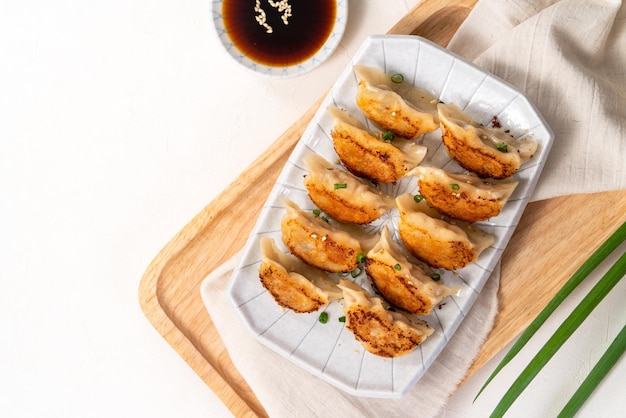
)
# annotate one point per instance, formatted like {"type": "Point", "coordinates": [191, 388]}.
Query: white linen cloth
{"type": "Point", "coordinates": [569, 57]}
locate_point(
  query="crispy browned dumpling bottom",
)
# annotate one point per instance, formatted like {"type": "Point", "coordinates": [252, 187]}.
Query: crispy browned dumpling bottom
{"type": "Point", "coordinates": [485, 151]}
{"type": "Point", "coordinates": [339, 208]}
{"type": "Point", "coordinates": [289, 292]}
{"type": "Point", "coordinates": [318, 243]}
{"type": "Point", "coordinates": [450, 255]}
{"type": "Point", "coordinates": [458, 205]}
{"type": "Point", "coordinates": [394, 115]}
{"type": "Point", "coordinates": [402, 283]}
{"type": "Point", "coordinates": [367, 157]}
{"type": "Point", "coordinates": [397, 289]}
{"type": "Point", "coordinates": [438, 242]}
{"type": "Point", "coordinates": [463, 196]}
{"type": "Point", "coordinates": [293, 284]}
{"type": "Point", "coordinates": [402, 108]}
{"type": "Point", "coordinates": [356, 202]}
{"type": "Point", "coordinates": [383, 333]}
{"type": "Point", "coordinates": [476, 157]}
{"type": "Point", "coordinates": [378, 334]}
{"type": "Point", "coordinates": [319, 250]}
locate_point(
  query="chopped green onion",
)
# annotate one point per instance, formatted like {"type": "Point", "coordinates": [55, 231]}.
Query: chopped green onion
{"type": "Point", "coordinates": [323, 317]}
{"type": "Point", "coordinates": [340, 185]}
{"type": "Point", "coordinates": [343, 274]}
{"type": "Point", "coordinates": [389, 136]}
{"type": "Point", "coordinates": [435, 276]}
{"type": "Point", "coordinates": [583, 271]}
{"type": "Point", "coordinates": [398, 267]}
{"type": "Point", "coordinates": [454, 186]}
{"type": "Point", "coordinates": [324, 218]}
{"type": "Point", "coordinates": [360, 257]}
{"type": "Point", "coordinates": [502, 147]}
{"type": "Point", "coordinates": [561, 335]}
{"type": "Point", "coordinates": [316, 212]}
{"type": "Point", "coordinates": [342, 319]}
{"type": "Point", "coordinates": [418, 198]}
{"type": "Point", "coordinates": [355, 273]}
{"type": "Point", "coordinates": [602, 367]}
{"type": "Point", "coordinates": [397, 78]}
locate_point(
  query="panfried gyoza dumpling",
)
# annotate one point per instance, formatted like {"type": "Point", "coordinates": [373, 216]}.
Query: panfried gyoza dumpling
{"type": "Point", "coordinates": [341, 195]}
{"type": "Point", "coordinates": [400, 282]}
{"type": "Point", "coordinates": [435, 240]}
{"type": "Point", "coordinates": [463, 196]}
{"type": "Point", "coordinates": [293, 284]}
{"type": "Point", "coordinates": [365, 155]}
{"type": "Point", "coordinates": [320, 244]}
{"type": "Point", "coordinates": [486, 151]}
{"type": "Point", "coordinates": [381, 332]}
{"type": "Point", "coordinates": [402, 108]}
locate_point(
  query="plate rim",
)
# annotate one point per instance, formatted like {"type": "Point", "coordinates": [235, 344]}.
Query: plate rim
{"type": "Point", "coordinates": [543, 156]}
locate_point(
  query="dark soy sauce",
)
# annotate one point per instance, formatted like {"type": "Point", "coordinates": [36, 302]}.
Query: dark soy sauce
{"type": "Point", "coordinates": [309, 25]}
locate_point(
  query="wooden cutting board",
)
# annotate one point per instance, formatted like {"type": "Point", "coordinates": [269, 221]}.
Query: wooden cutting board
{"type": "Point", "coordinates": [543, 253]}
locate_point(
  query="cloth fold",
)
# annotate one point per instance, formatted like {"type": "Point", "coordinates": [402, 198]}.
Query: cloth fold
{"type": "Point", "coordinates": [569, 57]}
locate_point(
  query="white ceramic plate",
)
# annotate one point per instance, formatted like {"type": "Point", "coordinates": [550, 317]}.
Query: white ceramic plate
{"type": "Point", "coordinates": [287, 71]}
{"type": "Point", "coordinates": [330, 350]}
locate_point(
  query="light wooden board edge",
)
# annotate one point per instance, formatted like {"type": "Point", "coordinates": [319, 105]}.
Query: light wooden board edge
{"type": "Point", "coordinates": [179, 260]}
{"type": "Point", "coordinates": [154, 298]}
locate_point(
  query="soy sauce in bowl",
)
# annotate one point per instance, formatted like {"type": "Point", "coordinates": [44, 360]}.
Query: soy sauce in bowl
{"type": "Point", "coordinates": [279, 33]}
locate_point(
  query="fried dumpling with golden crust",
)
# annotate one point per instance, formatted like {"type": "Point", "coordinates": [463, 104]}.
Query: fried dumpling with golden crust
{"type": "Point", "coordinates": [400, 282]}
{"type": "Point", "coordinates": [486, 151]}
{"type": "Point", "coordinates": [400, 107]}
{"type": "Point", "coordinates": [439, 242]}
{"type": "Point", "coordinates": [367, 156]}
{"type": "Point", "coordinates": [341, 195]}
{"type": "Point", "coordinates": [463, 196]}
{"type": "Point", "coordinates": [381, 332]}
{"type": "Point", "coordinates": [293, 284]}
{"type": "Point", "coordinates": [320, 244]}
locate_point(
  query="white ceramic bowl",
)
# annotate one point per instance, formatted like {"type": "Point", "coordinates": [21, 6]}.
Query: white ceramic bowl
{"type": "Point", "coordinates": [292, 70]}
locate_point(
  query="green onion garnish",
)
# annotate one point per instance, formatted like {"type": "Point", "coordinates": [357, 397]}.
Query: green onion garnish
{"type": "Point", "coordinates": [316, 212]}
{"type": "Point", "coordinates": [615, 273]}
{"type": "Point", "coordinates": [342, 319]}
{"type": "Point", "coordinates": [560, 336]}
{"type": "Point", "coordinates": [397, 78]}
{"type": "Point", "coordinates": [360, 257]}
{"type": "Point", "coordinates": [435, 276]}
{"type": "Point", "coordinates": [398, 267]}
{"type": "Point", "coordinates": [389, 136]}
{"type": "Point", "coordinates": [355, 273]}
{"type": "Point", "coordinates": [340, 185]}
{"type": "Point", "coordinates": [418, 198]}
{"type": "Point", "coordinates": [324, 218]}
{"type": "Point", "coordinates": [602, 367]}
{"type": "Point", "coordinates": [323, 317]}
{"type": "Point", "coordinates": [502, 147]}
{"type": "Point", "coordinates": [454, 186]}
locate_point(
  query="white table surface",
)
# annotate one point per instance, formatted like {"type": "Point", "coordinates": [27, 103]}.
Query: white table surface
{"type": "Point", "coordinates": [119, 122]}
